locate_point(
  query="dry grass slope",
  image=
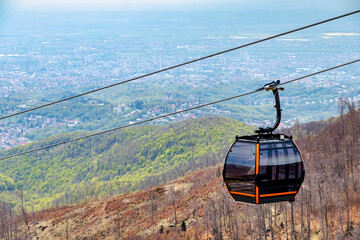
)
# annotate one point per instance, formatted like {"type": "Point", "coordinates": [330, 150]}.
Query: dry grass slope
{"type": "Point", "coordinates": [327, 207]}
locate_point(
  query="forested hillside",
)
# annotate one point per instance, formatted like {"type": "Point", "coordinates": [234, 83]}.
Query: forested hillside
{"type": "Point", "coordinates": [198, 206]}
{"type": "Point", "coordinates": [120, 162]}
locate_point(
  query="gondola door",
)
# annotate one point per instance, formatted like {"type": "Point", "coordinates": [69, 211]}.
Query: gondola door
{"type": "Point", "coordinates": [239, 171]}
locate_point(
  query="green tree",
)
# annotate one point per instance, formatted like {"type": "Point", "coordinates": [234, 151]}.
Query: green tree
{"type": "Point", "coordinates": [139, 104]}
{"type": "Point", "coordinates": [183, 225]}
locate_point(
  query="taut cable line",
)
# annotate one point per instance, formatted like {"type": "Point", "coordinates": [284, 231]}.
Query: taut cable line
{"type": "Point", "coordinates": [182, 64]}
{"type": "Point", "coordinates": [173, 113]}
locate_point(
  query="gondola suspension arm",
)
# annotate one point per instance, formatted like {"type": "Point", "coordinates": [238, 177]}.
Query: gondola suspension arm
{"type": "Point", "coordinates": [273, 86]}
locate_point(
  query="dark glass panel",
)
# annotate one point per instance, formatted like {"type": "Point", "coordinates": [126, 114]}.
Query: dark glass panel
{"type": "Point", "coordinates": [280, 167]}
{"type": "Point", "coordinates": [241, 186]}
{"type": "Point", "coordinates": [240, 160]}
{"type": "Point", "coordinates": [239, 170]}
{"type": "Point", "coordinates": [243, 198]}
{"type": "Point", "coordinates": [292, 170]}
{"type": "Point", "coordinates": [276, 198]}
{"type": "Point", "coordinates": [278, 156]}
{"type": "Point", "coordinates": [277, 189]}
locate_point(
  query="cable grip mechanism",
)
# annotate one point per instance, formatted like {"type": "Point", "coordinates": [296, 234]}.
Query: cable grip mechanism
{"type": "Point", "coordinates": [273, 86]}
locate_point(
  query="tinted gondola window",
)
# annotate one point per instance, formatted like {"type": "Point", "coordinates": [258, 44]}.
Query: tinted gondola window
{"type": "Point", "coordinates": [239, 171]}
{"type": "Point", "coordinates": [279, 163]}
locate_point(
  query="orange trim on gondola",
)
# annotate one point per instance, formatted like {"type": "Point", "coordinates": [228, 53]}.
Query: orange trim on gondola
{"type": "Point", "coordinates": [278, 194]}
{"type": "Point", "coordinates": [257, 170]}
{"type": "Point", "coordinates": [244, 194]}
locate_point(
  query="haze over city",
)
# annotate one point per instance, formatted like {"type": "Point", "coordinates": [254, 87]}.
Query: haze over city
{"type": "Point", "coordinates": [145, 158]}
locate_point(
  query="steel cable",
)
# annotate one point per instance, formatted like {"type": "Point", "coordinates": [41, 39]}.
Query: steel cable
{"type": "Point", "coordinates": [182, 64]}
{"type": "Point", "coordinates": [173, 113]}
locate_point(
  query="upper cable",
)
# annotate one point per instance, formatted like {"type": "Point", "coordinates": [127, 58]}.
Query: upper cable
{"type": "Point", "coordinates": [169, 114]}
{"type": "Point", "coordinates": [182, 64]}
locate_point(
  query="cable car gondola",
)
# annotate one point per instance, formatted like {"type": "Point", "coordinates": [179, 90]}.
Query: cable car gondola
{"type": "Point", "coordinates": [265, 167]}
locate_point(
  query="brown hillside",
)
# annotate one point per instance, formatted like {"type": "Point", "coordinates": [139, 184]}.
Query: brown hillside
{"type": "Point", "coordinates": [327, 207]}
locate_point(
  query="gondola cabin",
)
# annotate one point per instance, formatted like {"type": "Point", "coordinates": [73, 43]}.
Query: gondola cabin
{"type": "Point", "coordinates": [263, 169]}
{"type": "Point", "coordinates": [266, 167]}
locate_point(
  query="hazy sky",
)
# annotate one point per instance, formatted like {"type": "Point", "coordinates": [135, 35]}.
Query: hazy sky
{"type": "Point", "coordinates": [45, 5]}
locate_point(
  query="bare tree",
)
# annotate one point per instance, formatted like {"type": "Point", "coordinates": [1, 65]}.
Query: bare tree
{"type": "Point", "coordinates": [215, 218]}
{"type": "Point", "coordinates": [261, 222]}
{"type": "Point", "coordinates": [293, 231]}
{"type": "Point", "coordinates": [250, 227]}
{"type": "Point", "coordinates": [302, 214]}
{"type": "Point", "coordinates": [173, 197]}
{"type": "Point", "coordinates": [117, 224]}
{"type": "Point", "coordinates": [286, 222]}
{"type": "Point", "coordinates": [308, 208]}
{"type": "Point", "coordinates": [347, 201]}
{"type": "Point", "coordinates": [323, 211]}
{"type": "Point", "coordinates": [23, 212]}
{"type": "Point", "coordinates": [67, 231]}
{"type": "Point", "coordinates": [153, 208]}
{"type": "Point", "coordinates": [270, 216]}
{"type": "Point", "coordinates": [6, 228]}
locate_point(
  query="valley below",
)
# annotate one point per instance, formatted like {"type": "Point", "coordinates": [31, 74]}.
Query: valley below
{"type": "Point", "coordinates": [196, 205]}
